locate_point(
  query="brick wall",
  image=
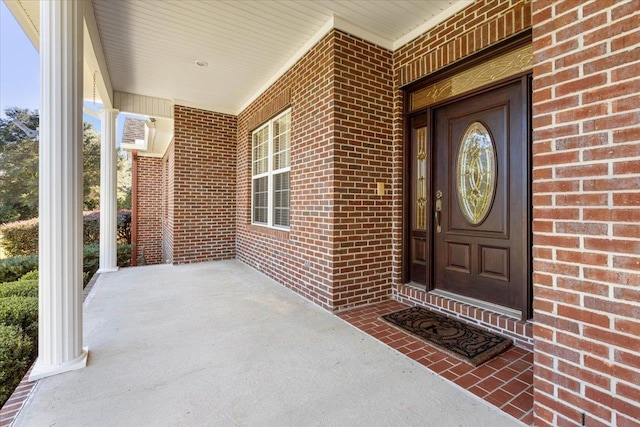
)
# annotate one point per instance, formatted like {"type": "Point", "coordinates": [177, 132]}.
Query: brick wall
{"type": "Point", "coordinates": [338, 251]}
{"type": "Point", "coordinates": [586, 212]}
{"type": "Point", "coordinates": [482, 24]}
{"type": "Point", "coordinates": [149, 208]}
{"type": "Point", "coordinates": [363, 157]}
{"type": "Point", "coordinates": [168, 171]}
{"type": "Point", "coordinates": [302, 258]}
{"type": "Point", "coordinates": [204, 185]}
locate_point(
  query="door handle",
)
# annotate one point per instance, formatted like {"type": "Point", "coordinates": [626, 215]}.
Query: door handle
{"type": "Point", "coordinates": [438, 211]}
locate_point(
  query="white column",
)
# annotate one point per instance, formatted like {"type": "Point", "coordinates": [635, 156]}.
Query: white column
{"type": "Point", "coordinates": [60, 254]}
{"type": "Point", "coordinates": [108, 193]}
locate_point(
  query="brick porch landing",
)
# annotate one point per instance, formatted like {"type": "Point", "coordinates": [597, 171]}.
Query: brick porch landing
{"type": "Point", "coordinates": [506, 381]}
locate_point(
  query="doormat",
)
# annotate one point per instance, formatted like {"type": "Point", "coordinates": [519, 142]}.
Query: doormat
{"type": "Point", "coordinates": [466, 343]}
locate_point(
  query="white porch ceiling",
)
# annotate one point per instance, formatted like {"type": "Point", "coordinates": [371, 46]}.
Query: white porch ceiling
{"type": "Point", "coordinates": [150, 45]}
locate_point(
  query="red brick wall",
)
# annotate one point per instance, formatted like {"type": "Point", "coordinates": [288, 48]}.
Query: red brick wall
{"type": "Point", "coordinates": [149, 204]}
{"type": "Point", "coordinates": [586, 212]}
{"type": "Point", "coordinates": [482, 24]}
{"type": "Point", "coordinates": [204, 185]}
{"type": "Point", "coordinates": [337, 252]}
{"type": "Point", "coordinates": [586, 153]}
{"type": "Point", "coordinates": [301, 259]}
{"type": "Point", "coordinates": [168, 171]}
{"type": "Point", "coordinates": [363, 157]}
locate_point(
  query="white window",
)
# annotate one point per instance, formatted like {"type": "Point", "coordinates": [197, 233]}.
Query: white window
{"type": "Point", "coordinates": [271, 152]}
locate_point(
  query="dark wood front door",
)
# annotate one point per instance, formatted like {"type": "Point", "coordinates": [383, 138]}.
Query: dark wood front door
{"type": "Point", "coordinates": [480, 197]}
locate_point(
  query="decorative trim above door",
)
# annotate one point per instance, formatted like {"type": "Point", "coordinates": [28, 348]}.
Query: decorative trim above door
{"type": "Point", "coordinates": [509, 64]}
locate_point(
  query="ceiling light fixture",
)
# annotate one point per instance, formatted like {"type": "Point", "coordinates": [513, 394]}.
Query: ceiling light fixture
{"type": "Point", "coordinates": [200, 63]}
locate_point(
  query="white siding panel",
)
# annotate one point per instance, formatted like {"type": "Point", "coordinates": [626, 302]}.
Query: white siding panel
{"type": "Point", "coordinates": [143, 105]}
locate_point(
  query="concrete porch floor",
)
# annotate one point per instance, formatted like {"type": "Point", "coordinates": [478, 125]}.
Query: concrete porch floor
{"type": "Point", "coordinates": [217, 344]}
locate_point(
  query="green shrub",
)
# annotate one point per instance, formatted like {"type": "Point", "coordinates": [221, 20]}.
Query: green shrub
{"type": "Point", "coordinates": [22, 288]}
{"type": "Point", "coordinates": [124, 255]}
{"type": "Point", "coordinates": [16, 354]}
{"type": "Point", "coordinates": [124, 227]}
{"type": "Point", "coordinates": [20, 238]}
{"type": "Point", "coordinates": [91, 227]}
{"type": "Point", "coordinates": [21, 312]}
{"type": "Point", "coordinates": [11, 269]}
{"type": "Point", "coordinates": [32, 275]}
{"type": "Point", "coordinates": [91, 259]}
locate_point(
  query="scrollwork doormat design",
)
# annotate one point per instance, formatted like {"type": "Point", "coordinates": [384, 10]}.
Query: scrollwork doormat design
{"type": "Point", "coordinates": [465, 342]}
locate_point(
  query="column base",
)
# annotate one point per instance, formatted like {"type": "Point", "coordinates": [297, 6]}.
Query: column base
{"type": "Point", "coordinates": [107, 270]}
{"type": "Point", "coordinates": [43, 371]}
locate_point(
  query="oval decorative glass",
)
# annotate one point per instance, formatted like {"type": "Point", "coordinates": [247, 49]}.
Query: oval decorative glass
{"type": "Point", "coordinates": [476, 173]}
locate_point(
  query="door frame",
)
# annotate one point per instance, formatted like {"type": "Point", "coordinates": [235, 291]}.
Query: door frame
{"type": "Point", "coordinates": [526, 80]}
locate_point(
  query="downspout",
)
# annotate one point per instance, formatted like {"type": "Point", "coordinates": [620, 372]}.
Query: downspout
{"type": "Point", "coordinates": [134, 208]}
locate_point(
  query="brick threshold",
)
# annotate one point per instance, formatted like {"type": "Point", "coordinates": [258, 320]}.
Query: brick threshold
{"type": "Point", "coordinates": [521, 332]}
{"type": "Point", "coordinates": [505, 381]}
{"type": "Point", "coordinates": [22, 393]}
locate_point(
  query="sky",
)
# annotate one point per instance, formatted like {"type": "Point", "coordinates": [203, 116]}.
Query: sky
{"type": "Point", "coordinates": [20, 71]}
{"type": "Point", "coordinates": [19, 66]}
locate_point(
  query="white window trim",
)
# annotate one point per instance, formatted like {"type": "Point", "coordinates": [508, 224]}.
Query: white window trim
{"type": "Point", "coordinates": [270, 174]}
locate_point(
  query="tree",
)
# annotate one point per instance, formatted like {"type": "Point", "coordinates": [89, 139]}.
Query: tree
{"type": "Point", "coordinates": [124, 180]}
{"type": "Point", "coordinates": [91, 167]}
{"type": "Point", "coordinates": [19, 167]}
